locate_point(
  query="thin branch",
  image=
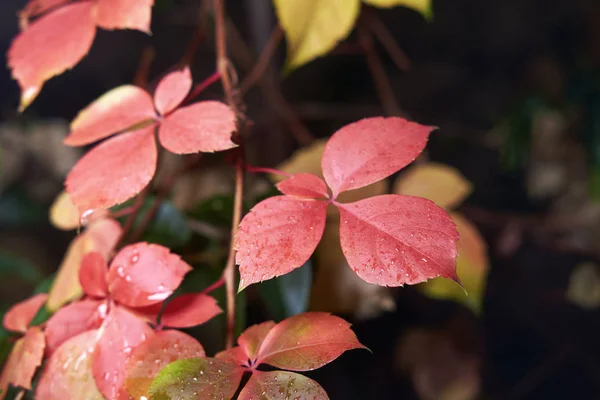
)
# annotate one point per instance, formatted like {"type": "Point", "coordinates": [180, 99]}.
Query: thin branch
{"type": "Point", "coordinates": [201, 87]}
{"type": "Point", "coordinates": [382, 82]}
{"type": "Point", "coordinates": [383, 35]}
{"type": "Point", "coordinates": [143, 71]}
{"type": "Point", "coordinates": [263, 170]}
{"type": "Point", "coordinates": [225, 69]}
{"type": "Point", "coordinates": [220, 282]}
{"type": "Point", "coordinates": [263, 61]}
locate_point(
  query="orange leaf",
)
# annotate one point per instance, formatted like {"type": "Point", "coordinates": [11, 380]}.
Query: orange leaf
{"type": "Point", "coordinates": [124, 14]}
{"type": "Point", "coordinates": [23, 361]}
{"type": "Point", "coordinates": [114, 171]}
{"type": "Point", "coordinates": [19, 316]}
{"type": "Point", "coordinates": [114, 111]}
{"type": "Point", "coordinates": [205, 126]}
{"type": "Point", "coordinates": [172, 89]}
{"type": "Point", "coordinates": [49, 46]}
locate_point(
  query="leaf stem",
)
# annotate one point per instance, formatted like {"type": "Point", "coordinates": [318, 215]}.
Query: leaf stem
{"type": "Point", "coordinates": [262, 170]}
{"type": "Point", "coordinates": [220, 282]}
{"type": "Point", "coordinates": [201, 87]}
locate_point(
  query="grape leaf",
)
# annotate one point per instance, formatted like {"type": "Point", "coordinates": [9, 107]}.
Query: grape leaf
{"type": "Point", "coordinates": [67, 374]}
{"type": "Point", "coordinates": [155, 353]}
{"type": "Point", "coordinates": [113, 171]}
{"type": "Point", "coordinates": [205, 126]}
{"type": "Point", "coordinates": [314, 27]}
{"type": "Point", "coordinates": [23, 361]}
{"type": "Point", "coordinates": [307, 341]}
{"type": "Point", "coordinates": [304, 185]}
{"type": "Point", "coordinates": [172, 89]}
{"type": "Point", "coordinates": [114, 111]}
{"type": "Point", "coordinates": [281, 385]}
{"type": "Point", "coordinates": [92, 275]}
{"type": "Point", "coordinates": [19, 316]}
{"type": "Point", "coordinates": [394, 240]}
{"type": "Point", "coordinates": [142, 274]}
{"type": "Point", "coordinates": [73, 320]}
{"type": "Point", "coordinates": [122, 332]}
{"type": "Point", "coordinates": [124, 14]}
{"type": "Point", "coordinates": [369, 150]}
{"type": "Point", "coordinates": [189, 310]}
{"type": "Point", "coordinates": [197, 378]}
{"type": "Point", "coordinates": [49, 46]}
{"type": "Point", "coordinates": [277, 236]}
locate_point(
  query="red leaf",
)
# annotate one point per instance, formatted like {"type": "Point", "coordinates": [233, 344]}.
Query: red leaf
{"type": "Point", "coordinates": [393, 240]}
{"type": "Point", "coordinates": [114, 171]}
{"type": "Point", "coordinates": [205, 126]}
{"type": "Point", "coordinates": [123, 331]}
{"type": "Point", "coordinates": [307, 341]}
{"type": "Point", "coordinates": [235, 355]}
{"type": "Point", "coordinates": [72, 320]}
{"type": "Point", "coordinates": [189, 310]}
{"type": "Point", "coordinates": [143, 274]}
{"type": "Point", "coordinates": [67, 375]}
{"type": "Point", "coordinates": [369, 150]}
{"type": "Point", "coordinates": [197, 378]}
{"type": "Point", "coordinates": [92, 275]}
{"type": "Point", "coordinates": [23, 361]}
{"type": "Point", "coordinates": [281, 385]}
{"type": "Point", "coordinates": [277, 236]}
{"type": "Point", "coordinates": [19, 316]}
{"type": "Point", "coordinates": [104, 235]}
{"type": "Point", "coordinates": [304, 185]}
{"type": "Point", "coordinates": [253, 337]}
{"type": "Point", "coordinates": [124, 14]}
{"type": "Point", "coordinates": [114, 111]}
{"type": "Point", "coordinates": [172, 89]}
{"type": "Point", "coordinates": [154, 354]}
{"type": "Point", "coordinates": [37, 7]}
{"type": "Point", "coordinates": [49, 46]}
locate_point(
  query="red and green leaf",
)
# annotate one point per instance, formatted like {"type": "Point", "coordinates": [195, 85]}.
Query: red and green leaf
{"type": "Point", "coordinates": [393, 240]}
{"type": "Point", "coordinates": [277, 236]}
{"type": "Point", "coordinates": [281, 385]}
{"type": "Point", "coordinates": [19, 316]}
{"type": "Point", "coordinates": [253, 337]}
{"type": "Point", "coordinates": [155, 353]}
{"type": "Point", "coordinates": [142, 274]}
{"type": "Point", "coordinates": [189, 310]}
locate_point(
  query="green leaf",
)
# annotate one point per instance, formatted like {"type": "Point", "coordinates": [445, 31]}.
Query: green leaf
{"type": "Point", "coordinates": [15, 266]}
{"type": "Point", "coordinates": [289, 294]}
{"type": "Point", "coordinates": [45, 285]}
{"type": "Point", "coordinates": [216, 211]}
{"type": "Point", "coordinates": [196, 378]}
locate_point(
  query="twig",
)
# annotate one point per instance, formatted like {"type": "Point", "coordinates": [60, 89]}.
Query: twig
{"type": "Point", "coordinates": [263, 170]}
{"type": "Point", "coordinates": [381, 33]}
{"type": "Point", "coordinates": [143, 71]}
{"type": "Point", "coordinates": [263, 61]}
{"type": "Point", "coordinates": [220, 282]}
{"type": "Point", "coordinates": [224, 67]}
{"type": "Point", "coordinates": [201, 87]}
{"type": "Point", "coordinates": [382, 82]}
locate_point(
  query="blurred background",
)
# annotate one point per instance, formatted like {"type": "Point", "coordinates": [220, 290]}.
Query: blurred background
{"type": "Point", "coordinates": [514, 87]}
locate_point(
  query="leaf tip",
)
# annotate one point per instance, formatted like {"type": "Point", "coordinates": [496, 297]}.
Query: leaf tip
{"type": "Point", "coordinates": [28, 95]}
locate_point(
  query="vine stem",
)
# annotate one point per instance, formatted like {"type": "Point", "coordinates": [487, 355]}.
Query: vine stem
{"type": "Point", "coordinates": [225, 70]}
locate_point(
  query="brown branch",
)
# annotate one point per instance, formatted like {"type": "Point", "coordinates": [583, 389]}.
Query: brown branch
{"type": "Point", "coordinates": [383, 35]}
{"type": "Point", "coordinates": [263, 61]}
{"type": "Point", "coordinates": [225, 68]}
{"type": "Point", "coordinates": [143, 71]}
{"type": "Point", "coordinates": [382, 82]}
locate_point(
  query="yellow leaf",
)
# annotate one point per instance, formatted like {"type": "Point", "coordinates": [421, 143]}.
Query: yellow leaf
{"type": "Point", "coordinates": [63, 213]}
{"type": "Point", "coordinates": [472, 266]}
{"type": "Point", "coordinates": [100, 236]}
{"type": "Point", "coordinates": [442, 184]}
{"type": "Point", "coordinates": [422, 6]}
{"type": "Point", "coordinates": [314, 27]}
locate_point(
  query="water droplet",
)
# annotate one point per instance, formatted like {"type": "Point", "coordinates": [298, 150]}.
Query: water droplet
{"type": "Point", "coordinates": [128, 278]}
{"type": "Point", "coordinates": [121, 271]}
{"type": "Point", "coordinates": [424, 259]}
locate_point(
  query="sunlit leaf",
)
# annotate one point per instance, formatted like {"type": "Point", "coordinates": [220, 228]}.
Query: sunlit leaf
{"type": "Point", "coordinates": [19, 316]}
{"type": "Point", "coordinates": [197, 378]}
{"type": "Point", "coordinates": [121, 333]}
{"type": "Point", "coordinates": [189, 310]}
{"type": "Point", "coordinates": [73, 320]}
{"type": "Point", "coordinates": [172, 89]}
{"type": "Point", "coordinates": [114, 111]}
{"type": "Point", "coordinates": [68, 373]}
{"type": "Point", "coordinates": [205, 126]}
{"type": "Point", "coordinates": [124, 14]}
{"type": "Point", "coordinates": [49, 46]}
{"type": "Point", "coordinates": [369, 150]}
{"type": "Point", "coordinates": [394, 240]}
{"type": "Point", "coordinates": [113, 172]}
{"type": "Point", "coordinates": [66, 285]}
{"type": "Point", "coordinates": [314, 27]}
{"type": "Point", "coordinates": [63, 213]}
{"type": "Point", "coordinates": [307, 341]}
{"type": "Point", "coordinates": [422, 6]}
{"type": "Point", "coordinates": [281, 385]}
{"type": "Point", "coordinates": [155, 353]}
{"type": "Point", "coordinates": [142, 274]}
{"type": "Point", "coordinates": [442, 184]}
{"type": "Point", "coordinates": [277, 236]}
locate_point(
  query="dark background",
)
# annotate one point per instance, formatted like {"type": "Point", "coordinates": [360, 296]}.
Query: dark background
{"type": "Point", "coordinates": [478, 69]}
